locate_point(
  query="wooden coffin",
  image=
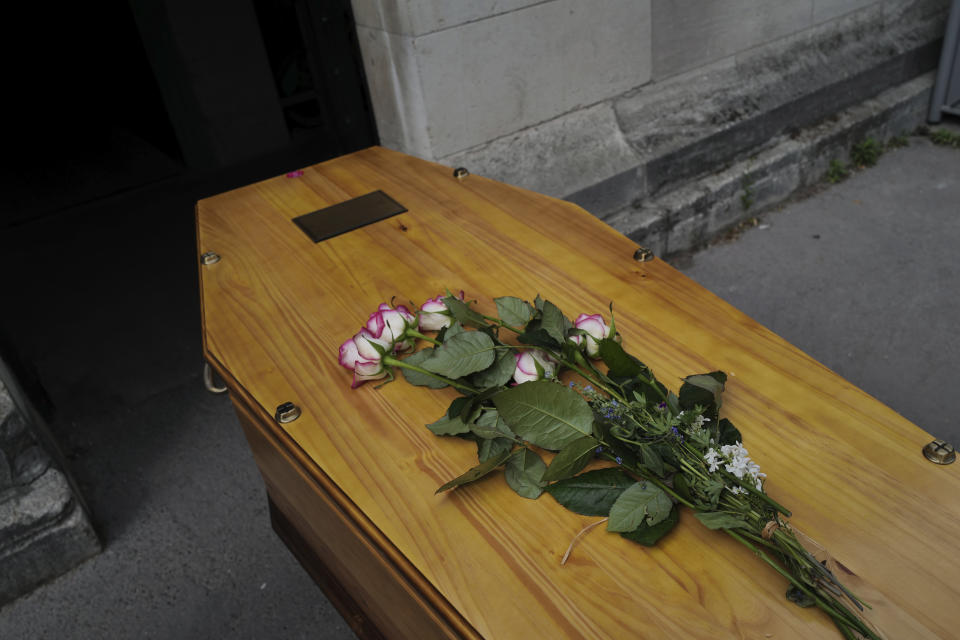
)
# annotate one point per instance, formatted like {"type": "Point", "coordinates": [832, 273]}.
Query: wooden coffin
{"type": "Point", "coordinates": [351, 481]}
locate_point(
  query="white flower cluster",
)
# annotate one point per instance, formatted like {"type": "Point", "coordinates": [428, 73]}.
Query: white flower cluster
{"type": "Point", "coordinates": [697, 423]}
{"type": "Point", "coordinates": [735, 460]}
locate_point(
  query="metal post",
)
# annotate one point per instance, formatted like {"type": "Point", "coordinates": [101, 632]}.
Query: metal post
{"type": "Point", "coordinates": [946, 90]}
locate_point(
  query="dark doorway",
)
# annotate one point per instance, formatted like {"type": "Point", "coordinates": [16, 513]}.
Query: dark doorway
{"type": "Point", "coordinates": [90, 120]}
{"type": "Point", "coordinates": [95, 108]}
{"type": "Point", "coordinates": [318, 72]}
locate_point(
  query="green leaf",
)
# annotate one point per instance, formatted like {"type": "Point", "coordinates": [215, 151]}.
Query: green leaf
{"type": "Point", "coordinates": [490, 425]}
{"type": "Point", "coordinates": [453, 330]}
{"type": "Point", "coordinates": [591, 493]}
{"type": "Point", "coordinates": [719, 520]}
{"type": "Point", "coordinates": [463, 354]}
{"type": "Point", "coordinates": [673, 403]}
{"type": "Point", "coordinates": [461, 311]}
{"type": "Point", "coordinates": [648, 535]}
{"type": "Point", "coordinates": [682, 486]}
{"type": "Point", "coordinates": [643, 502]}
{"type": "Point", "coordinates": [727, 433]}
{"type": "Point", "coordinates": [524, 473]}
{"type": "Point", "coordinates": [628, 372]}
{"type": "Point", "coordinates": [799, 598]}
{"type": "Point", "coordinates": [651, 459]}
{"type": "Point", "coordinates": [487, 449]}
{"type": "Point", "coordinates": [702, 389]}
{"type": "Point", "coordinates": [538, 302]}
{"type": "Point", "coordinates": [417, 378]}
{"type": "Point", "coordinates": [514, 311]}
{"type": "Point", "coordinates": [447, 426]}
{"type": "Point", "coordinates": [456, 407]}
{"type": "Point", "coordinates": [620, 363]}
{"type": "Point", "coordinates": [712, 489]}
{"type": "Point", "coordinates": [554, 322]}
{"type": "Point", "coordinates": [538, 337]}
{"type": "Point", "coordinates": [497, 374]}
{"type": "Point", "coordinates": [545, 413]}
{"type": "Point", "coordinates": [477, 472]}
{"type": "Point", "coordinates": [571, 459]}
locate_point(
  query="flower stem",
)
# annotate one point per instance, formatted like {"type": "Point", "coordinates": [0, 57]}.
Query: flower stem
{"type": "Point", "coordinates": [588, 377]}
{"type": "Point", "coordinates": [413, 333]}
{"type": "Point", "coordinates": [391, 361]}
{"type": "Point", "coordinates": [763, 496]}
{"type": "Point", "coordinates": [841, 616]}
{"type": "Point", "coordinates": [501, 323]}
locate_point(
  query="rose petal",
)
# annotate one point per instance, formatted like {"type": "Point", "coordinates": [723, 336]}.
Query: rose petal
{"type": "Point", "coordinates": [349, 354]}
{"type": "Point", "coordinates": [526, 370]}
{"type": "Point", "coordinates": [525, 363]}
{"type": "Point", "coordinates": [367, 368]}
{"type": "Point", "coordinates": [376, 324]}
{"type": "Point", "coordinates": [365, 341]}
{"type": "Point", "coordinates": [592, 324]}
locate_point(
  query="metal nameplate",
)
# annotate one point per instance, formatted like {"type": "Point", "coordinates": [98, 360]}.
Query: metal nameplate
{"type": "Point", "coordinates": [347, 216]}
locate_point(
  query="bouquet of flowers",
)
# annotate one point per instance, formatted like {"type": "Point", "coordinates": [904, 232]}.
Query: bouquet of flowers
{"type": "Point", "coordinates": [668, 449]}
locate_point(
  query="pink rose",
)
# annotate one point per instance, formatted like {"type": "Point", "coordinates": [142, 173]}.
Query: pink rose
{"type": "Point", "coordinates": [360, 356]}
{"type": "Point", "coordinates": [391, 325]}
{"type": "Point", "coordinates": [527, 361]}
{"type": "Point", "coordinates": [434, 314]}
{"type": "Point", "coordinates": [596, 330]}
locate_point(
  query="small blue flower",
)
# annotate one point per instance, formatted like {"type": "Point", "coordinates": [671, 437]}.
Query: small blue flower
{"type": "Point", "coordinates": [588, 388]}
{"type": "Point", "coordinates": [614, 403]}
{"type": "Point", "coordinates": [618, 459]}
{"type": "Point", "coordinates": [571, 385]}
{"type": "Point", "coordinates": [599, 450]}
{"type": "Point", "coordinates": [662, 406]}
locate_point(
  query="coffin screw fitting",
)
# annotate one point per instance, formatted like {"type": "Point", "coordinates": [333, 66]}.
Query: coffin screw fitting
{"type": "Point", "coordinates": [940, 452]}
{"type": "Point", "coordinates": [287, 412]}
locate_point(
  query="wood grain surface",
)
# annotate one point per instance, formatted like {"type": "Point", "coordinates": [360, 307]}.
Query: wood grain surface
{"type": "Point", "coordinates": [277, 306]}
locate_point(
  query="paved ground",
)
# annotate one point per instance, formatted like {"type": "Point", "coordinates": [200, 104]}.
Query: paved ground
{"type": "Point", "coordinates": [863, 276]}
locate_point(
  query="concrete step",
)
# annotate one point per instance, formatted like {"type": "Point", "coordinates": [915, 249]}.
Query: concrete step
{"type": "Point", "coordinates": [688, 214]}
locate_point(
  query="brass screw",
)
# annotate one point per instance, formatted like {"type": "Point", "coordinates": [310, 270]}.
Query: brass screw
{"type": "Point", "coordinates": [287, 412]}
{"type": "Point", "coordinates": [642, 254]}
{"type": "Point", "coordinates": [940, 452]}
{"type": "Point", "coordinates": [460, 173]}
{"type": "Point", "coordinates": [209, 258]}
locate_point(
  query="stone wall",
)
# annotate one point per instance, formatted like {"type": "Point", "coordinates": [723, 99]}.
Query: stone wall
{"type": "Point", "coordinates": [612, 102]}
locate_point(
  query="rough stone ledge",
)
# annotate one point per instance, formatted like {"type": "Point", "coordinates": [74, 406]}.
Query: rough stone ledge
{"type": "Point", "coordinates": [48, 553]}
{"type": "Point", "coordinates": [44, 531]}
{"type": "Point", "coordinates": [687, 217]}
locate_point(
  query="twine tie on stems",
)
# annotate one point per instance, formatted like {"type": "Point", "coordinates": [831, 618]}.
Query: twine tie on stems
{"type": "Point", "coordinates": [770, 529]}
